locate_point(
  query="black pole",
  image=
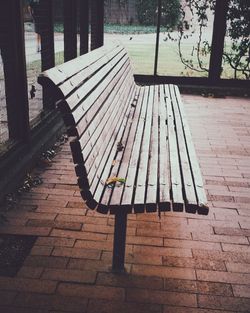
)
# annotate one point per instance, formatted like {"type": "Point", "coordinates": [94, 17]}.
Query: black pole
{"type": "Point", "coordinates": [84, 26]}
{"type": "Point", "coordinates": [219, 31]}
{"type": "Point", "coordinates": [119, 242]}
{"type": "Point", "coordinates": [70, 29]}
{"type": "Point", "coordinates": [97, 23]}
{"type": "Point", "coordinates": [14, 63]}
{"type": "Point", "coordinates": [157, 37]}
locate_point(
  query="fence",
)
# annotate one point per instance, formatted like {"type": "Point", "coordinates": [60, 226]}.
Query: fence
{"type": "Point", "coordinates": [28, 117]}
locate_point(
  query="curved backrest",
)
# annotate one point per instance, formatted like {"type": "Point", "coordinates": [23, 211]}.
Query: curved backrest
{"type": "Point", "coordinates": [94, 93]}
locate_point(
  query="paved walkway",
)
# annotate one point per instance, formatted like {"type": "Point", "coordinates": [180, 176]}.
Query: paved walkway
{"type": "Point", "coordinates": [180, 263]}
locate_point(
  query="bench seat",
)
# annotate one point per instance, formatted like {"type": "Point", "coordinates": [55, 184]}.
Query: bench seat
{"type": "Point", "coordinates": [131, 144]}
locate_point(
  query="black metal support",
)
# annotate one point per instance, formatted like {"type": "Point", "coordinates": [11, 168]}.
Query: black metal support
{"type": "Point", "coordinates": [119, 242]}
{"type": "Point", "coordinates": [13, 55]}
{"type": "Point", "coordinates": [70, 29]}
{"type": "Point", "coordinates": [97, 23]}
{"type": "Point", "coordinates": [47, 35]}
{"type": "Point", "coordinates": [47, 45]}
{"type": "Point", "coordinates": [84, 26]}
{"type": "Point", "coordinates": [157, 38]}
{"type": "Point", "coordinates": [219, 31]}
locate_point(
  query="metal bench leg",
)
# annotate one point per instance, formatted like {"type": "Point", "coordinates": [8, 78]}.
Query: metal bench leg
{"type": "Point", "coordinates": [119, 242]}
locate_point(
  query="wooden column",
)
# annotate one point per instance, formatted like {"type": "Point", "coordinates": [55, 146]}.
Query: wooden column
{"type": "Point", "coordinates": [70, 29]}
{"type": "Point", "coordinates": [84, 26]}
{"type": "Point", "coordinates": [13, 55]}
{"type": "Point", "coordinates": [97, 23]}
{"type": "Point", "coordinates": [219, 31]}
{"type": "Point", "coordinates": [47, 35]}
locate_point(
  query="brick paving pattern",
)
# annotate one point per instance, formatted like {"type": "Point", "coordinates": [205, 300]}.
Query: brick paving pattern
{"type": "Point", "coordinates": [180, 263]}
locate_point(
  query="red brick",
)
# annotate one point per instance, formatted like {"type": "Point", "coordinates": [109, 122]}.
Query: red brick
{"type": "Point", "coordinates": [196, 263]}
{"type": "Point", "coordinates": [78, 235]}
{"type": "Point", "coordinates": [220, 238]}
{"type": "Point", "coordinates": [27, 284]}
{"type": "Point", "coordinates": [69, 275]}
{"type": "Point", "coordinates": [167, 233]}
{"type": "Point", "coordinates": [97, 245]}
{"type": "Point", "coordinates": [30, 272]}
{"type": "Point", "coordinates": [55, 224]}
{"type": "Point", "coordinates": [23, 230]}
{"type": "Point", "coordinates": [97, 306]}
{"type": "Point", "coordinates": [160, 297]}
{"type": "Point", "coordinates": [223, 277]}
{"type": "Point", "coordinates": [55, 241]}
{"type": "Point", "coordinates": [89, 265]}
{"type": "Point", "coordinates": [222, 256]}
{"type": "Point", "coordinates": [92, 292]}
{"type": "Point", "coordinates": [110, 279]}
{"type": "Point", "coordinates": [241, 291]}
{"type": "Point", "coordinates": [232, 231]}
{"type": "Point", "coordinates": [175, 309]}
{"type": "Point", "coordinates": [41, 250]}
{"type": "Point", "coordinates": [235, 247]}
{"type": "Point", "coordinates": [54, 191]}
{"type": "Point", "coordinates": [76, 253]}
{"type": "Point", "coordinates": [163, 251]}
{"type": "Point", "coordinates": [46, 261]}
{"type": "Point", "coordinates": [82, 219]}
{"type": "Point", "coordinates": [214, 288]}
{"type": "Point", "coordinates": [238, 267]}
{"type": "Point", "coordinates": [180, 285]}
{"type": "Point", "coordinates": [163, 271]}
{"type": "Point", "coordinates": [191, 244]}
{"type": "Point", "coordinates": [147, 241]}
{"type": "Point", "coordinates": [224, 303]}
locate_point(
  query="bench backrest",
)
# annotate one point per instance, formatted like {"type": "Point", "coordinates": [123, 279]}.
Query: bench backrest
{"type": "Point", "coordinates": [89, 91]}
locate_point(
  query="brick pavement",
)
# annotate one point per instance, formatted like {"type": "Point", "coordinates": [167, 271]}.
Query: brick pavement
{"type": "Point", "coordinates": [180, 263]}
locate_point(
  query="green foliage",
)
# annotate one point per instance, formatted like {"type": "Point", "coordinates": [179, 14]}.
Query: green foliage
{"type": "Point", "coordinates": [236, 53]}
{"type": "Point", "coordinates": [147, 12]}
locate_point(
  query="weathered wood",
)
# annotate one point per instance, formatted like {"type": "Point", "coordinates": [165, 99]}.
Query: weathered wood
{"type": "Point", "coordinates": [164, 165]}
{"type": "Point", "coordinates": [176, 182]}
{"type": "Point", "coordinates": [135, 136]}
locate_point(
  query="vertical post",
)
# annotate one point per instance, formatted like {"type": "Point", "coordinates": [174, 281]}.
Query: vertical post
{"type": "Point", "coordinates": [47, 44]}
{"type": "Point", "coordinates": [119, 242]}
{"type": "Point", "coordinates": [84, 26]}
{"type": "Point", "coordinates": [70, 29]}
{"type": "Point", "coordinates": [47, 35]}
{"type": "Point", "coordinates": [219, 31]}
{"type": "Point", "coordinates": [97, 23]}
{"type": "Point", "coordinates": [157, 37]}
{"type": "Point", "coordinates": [13, 55]}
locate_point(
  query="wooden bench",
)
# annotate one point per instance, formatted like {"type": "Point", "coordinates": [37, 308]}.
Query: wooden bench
{"type": "Point", "coordinates": [137, 135]}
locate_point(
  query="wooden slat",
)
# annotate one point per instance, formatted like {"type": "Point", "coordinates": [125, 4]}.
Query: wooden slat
{"type": "Point", "coordinates": [98, 121]}
{"type": "Point", "coordinates": [188, 186]}
{"type": "Point", "coordinates": [151, 183]}
{"type": "Point", "coordinates": [98, 143]}
{"type": "Point", "coordinates": [93, 130]}
{"type": "Point", "coordinates": [127, 198]}
{"type": "Point", "coordinates": [164, 165]}
{"type": "Point", "coordinates": [141, 181]}
{"type": "Point", "coordinates": [74, 82]}
{"type": "Point", "coordinates": [107, 141]}
{"type": "Point", "coordinates": [112, 149]}
{"type": "Point", "coordinates": [176, 182]}
{"type": "Point", "coordinates": [64, 71]}
{"type": "Point", "coordinates": [199, 187]}
{"type": "Point", "coordinates": [75, 99]}
{"type": "Point", "coordinates": [112, 196]}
